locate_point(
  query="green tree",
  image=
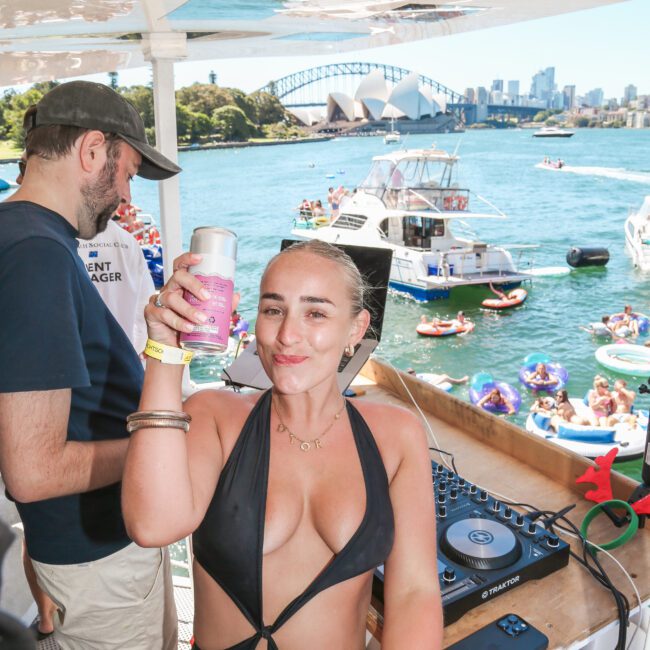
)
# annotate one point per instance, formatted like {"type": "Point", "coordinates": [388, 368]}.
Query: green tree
{"type": "Point", "coordinates": [268, 108]}
{"type": "Point", "coordinates": [142, 98]}
{"type": "Point", "coordinates": [582, 122]}
{"type": "Point", "coordinates": [191, 126]}
{"type": "Point", "coordinates": [232, 124]}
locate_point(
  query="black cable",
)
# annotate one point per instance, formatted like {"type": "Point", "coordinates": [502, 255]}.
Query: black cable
{"type": "Point", "coordinates": [599, 573]}
{"type": "Point", "coordinates": [235, 387]}
{"type": "Point", "coordinates": [446, 453]}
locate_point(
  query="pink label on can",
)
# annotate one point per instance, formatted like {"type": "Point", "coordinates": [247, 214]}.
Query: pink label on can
{"type": "Point", "coordinates": [218, 310]}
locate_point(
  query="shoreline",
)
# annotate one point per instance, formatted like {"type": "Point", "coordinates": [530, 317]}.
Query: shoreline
{"type": "Point", "coordinates": [224, 145]}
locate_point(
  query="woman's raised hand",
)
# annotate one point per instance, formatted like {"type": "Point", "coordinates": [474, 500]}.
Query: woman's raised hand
{"type": "Point", "coordinates": [168, 313]}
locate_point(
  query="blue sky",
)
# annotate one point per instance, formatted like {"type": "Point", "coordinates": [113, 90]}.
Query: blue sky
{"type": "Point", "coordinates": [597, 48]}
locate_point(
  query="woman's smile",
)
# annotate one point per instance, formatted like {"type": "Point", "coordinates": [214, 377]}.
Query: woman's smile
{"type": "Point", "coordinates": [288, 359]}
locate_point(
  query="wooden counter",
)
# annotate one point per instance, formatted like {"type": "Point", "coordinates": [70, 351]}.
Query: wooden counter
{"type": "Point", "coordinates": [568, 605]}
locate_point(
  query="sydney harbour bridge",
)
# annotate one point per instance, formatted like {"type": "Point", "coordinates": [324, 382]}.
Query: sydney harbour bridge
{"type": "Point", "coordinates": [309, 88]}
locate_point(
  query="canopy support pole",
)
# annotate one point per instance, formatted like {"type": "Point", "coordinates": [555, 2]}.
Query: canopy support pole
{"type": "Point", "coordinates": [163, 49]}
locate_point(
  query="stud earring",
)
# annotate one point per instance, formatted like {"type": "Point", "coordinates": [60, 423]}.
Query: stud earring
{"type": "Point", "coordinates": [349, 351]}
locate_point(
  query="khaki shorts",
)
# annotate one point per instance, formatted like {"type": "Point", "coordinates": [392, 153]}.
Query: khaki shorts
{"type": "Point", "coordinates": [124, 601]}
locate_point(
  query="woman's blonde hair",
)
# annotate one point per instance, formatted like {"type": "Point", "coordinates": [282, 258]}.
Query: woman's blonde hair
{"type": "Point", "coordinates": [357, 285]}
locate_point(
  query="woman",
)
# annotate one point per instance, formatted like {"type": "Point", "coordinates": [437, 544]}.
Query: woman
{"type": "Point", "coordinates": [295, 495]}
{"type": "Point", "coordinates": [601, 403]}
{"type": "Point", "coordinates": [540, 378]}
{"type": "Point", "coordinates": [498, 401]}
{"type": "Point", "coordinates": [565, 410]}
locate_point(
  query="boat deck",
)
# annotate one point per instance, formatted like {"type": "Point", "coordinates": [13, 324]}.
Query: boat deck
{"type": "Point", "coordinates": [506, 460]}
{"type": "Point", "coordinates": [469, 279]}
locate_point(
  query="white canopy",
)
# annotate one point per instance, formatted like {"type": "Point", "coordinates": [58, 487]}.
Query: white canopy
{"type": "Point", "coordinates": [54, 39]}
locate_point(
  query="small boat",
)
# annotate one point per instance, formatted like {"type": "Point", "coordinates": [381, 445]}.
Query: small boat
{"type": "Point", "coordinates": [4, 185]}
{"type": "Point", "coordinates": [547, 163]}
{"type": "Point", "coordinates": [444, 328]}
{"type": "Point", "coordinates": [625, 358]}
{"type": "Point", "coordinates": [591, 441]}
{"type": "Point", "coordinates": [393, 136]}
{"type": "Point", "coordinates": [513, 298]}
{"type": "Point", "coordinates": [555, 371]}
{"type": "Point", "coordinates": [637, 236]}
{"type": "Point", "coordinates": [553, 132]}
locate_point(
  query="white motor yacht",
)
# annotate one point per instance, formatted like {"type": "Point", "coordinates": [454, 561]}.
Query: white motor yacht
{"type": "Point", "coordinates": [637, 236]}
{"type": "Point", "coordinates": [553, 132]}
{"type": "Point", "coordinates": [410, 202]}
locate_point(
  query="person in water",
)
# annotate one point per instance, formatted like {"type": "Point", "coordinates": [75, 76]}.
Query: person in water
{"type": "Point", "coordinates": [540, 378]}
{"type": "Point", "coordinates": [441, 378]}
{"type": "Point", "coordinates": [626, 322]}
{"type": "Point", "coordinates": [498, 401]}
{"type": "Point", "coordinates": [294, 494]}
{"type": "Point", "coordinates": [500, 294]}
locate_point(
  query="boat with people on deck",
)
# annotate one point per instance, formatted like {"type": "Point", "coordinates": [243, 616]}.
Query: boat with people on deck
{"type": "Point", "coordinates": [412, 202]}
{"type": "Point", "coordinates": [637, 236]}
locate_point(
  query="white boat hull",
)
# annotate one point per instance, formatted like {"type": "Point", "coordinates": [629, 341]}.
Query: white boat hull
{"type": "Point", "coordinates": [637, 237]}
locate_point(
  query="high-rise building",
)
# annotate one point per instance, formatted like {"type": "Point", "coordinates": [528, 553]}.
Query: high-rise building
{"type": "Point", "coordinates": [569, 94]}
{"type": "Point", "coordinates": [513, 88]}
{"type": "Point", "coordinates": [481, 95]}
{"type": "Point", "coordinates": [595, 98]}
{"type": "Point", "coordinates": [470, 95]}
{"type": "Point", "coordinates": [497, 85]}
{"type": "Point", "coordinates": [543, 85]}
{"type": "Point", "coordinates": [629, 94]}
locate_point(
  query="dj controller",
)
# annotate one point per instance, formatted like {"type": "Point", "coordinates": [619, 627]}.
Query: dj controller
{"type": "Point", "coordinates": [484, 546]}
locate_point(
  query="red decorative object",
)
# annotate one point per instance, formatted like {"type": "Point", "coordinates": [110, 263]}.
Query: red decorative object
{"type": "Point", "coordinates": [601, 478]}
{"type": "Point", "coordinates": [642, 506]}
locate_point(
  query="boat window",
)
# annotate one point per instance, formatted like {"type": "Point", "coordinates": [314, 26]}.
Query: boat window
{"type": "Point", "coordinates": [380, 173]}
{"type": "Point", "coordinates": [418, 231]}
{"type": "Point", "coordinates": [350, 221]}
{"type": "Point", "coordinates": [383, 226]}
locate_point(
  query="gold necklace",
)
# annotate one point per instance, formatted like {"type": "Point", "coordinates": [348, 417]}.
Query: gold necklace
{"type": "Point", "coordinates": [305, 445]}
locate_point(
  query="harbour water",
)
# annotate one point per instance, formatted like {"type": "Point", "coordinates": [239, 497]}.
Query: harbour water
{"type": "Point", "coordinates": [255, 191]}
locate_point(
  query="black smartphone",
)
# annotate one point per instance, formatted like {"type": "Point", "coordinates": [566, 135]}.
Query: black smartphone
{"type": "Point", "coordinates": [509, 631]}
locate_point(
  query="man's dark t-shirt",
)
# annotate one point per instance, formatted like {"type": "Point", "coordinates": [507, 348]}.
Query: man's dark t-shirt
{"type": "Point", "coordinates": [57, 333]}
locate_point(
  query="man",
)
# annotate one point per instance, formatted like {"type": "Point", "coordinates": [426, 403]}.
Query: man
{"type": "Point", "coordinates": [70, 375]}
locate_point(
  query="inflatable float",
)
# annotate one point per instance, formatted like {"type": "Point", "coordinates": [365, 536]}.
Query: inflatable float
{"type": "Point", "coordinates": [555, 371]}
{"type": "Point", "coordinates": [482, 383]}
{"type": "Point", "coordinates": [444, 328]}
{"type": "Point", "coordinates": [625, 358]}
{"type": "Point", "coordinates": [311, 223]}
{"type": "Point", "coordinates": [513, 298]}
{"type": "Point", "coordinates": [591, 441]}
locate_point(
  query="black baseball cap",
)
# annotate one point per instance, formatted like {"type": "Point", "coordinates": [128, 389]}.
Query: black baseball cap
{"type": "Point", "coordinates": [95, 106]}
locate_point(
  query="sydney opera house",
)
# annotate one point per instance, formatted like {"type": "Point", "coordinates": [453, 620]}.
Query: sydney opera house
{"type": "Point", "coordinates": [408, 106]}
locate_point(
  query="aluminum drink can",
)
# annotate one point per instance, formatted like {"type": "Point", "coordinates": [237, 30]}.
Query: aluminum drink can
{"type": "Point", "coordinates": [218, 250]}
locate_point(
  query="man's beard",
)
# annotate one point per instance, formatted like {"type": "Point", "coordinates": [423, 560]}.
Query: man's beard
{"type": "Point", "coordinates": [100, 200]}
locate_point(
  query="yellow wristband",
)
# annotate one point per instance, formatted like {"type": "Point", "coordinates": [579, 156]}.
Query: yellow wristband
{"type": "Point", "coordinates": [167, 353]}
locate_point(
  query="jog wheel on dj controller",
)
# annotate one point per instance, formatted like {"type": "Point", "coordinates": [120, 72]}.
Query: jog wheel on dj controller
{"type": "Point", "coordinates": [480, 544]}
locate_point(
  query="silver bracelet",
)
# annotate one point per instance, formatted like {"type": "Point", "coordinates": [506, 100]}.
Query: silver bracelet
{"type": "Point", "coordinates": [158, 423]}
{"type": "Point", "coordinates": [153, 415]}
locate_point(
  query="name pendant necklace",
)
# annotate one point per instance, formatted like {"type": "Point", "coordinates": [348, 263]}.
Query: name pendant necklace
{"type": "Point", "coordinates": [306, 445]}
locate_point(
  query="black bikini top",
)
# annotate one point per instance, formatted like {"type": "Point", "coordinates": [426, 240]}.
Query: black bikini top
{"type": "Point", "coordinates": [228, 543]}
